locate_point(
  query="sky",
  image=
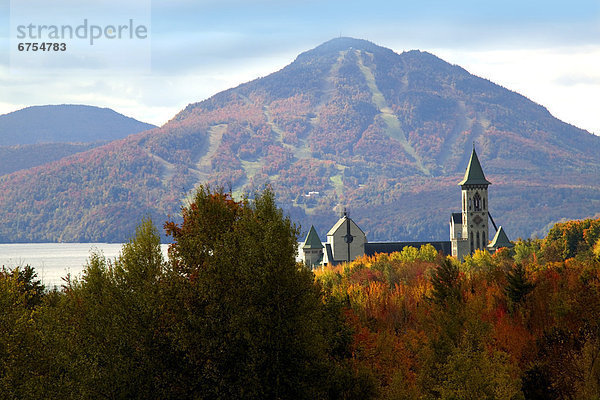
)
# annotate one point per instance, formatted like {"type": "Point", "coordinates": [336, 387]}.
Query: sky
{"type": "Point", "coordinates": [549, 51]}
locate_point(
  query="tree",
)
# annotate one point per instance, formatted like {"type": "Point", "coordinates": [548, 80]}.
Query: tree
{"type": "Point", "coordinates": [15, 337]}
{"type": "Point", "coordinates": [252, 318]}
{"type": "Point", "coordinates": [108, 330]}
{"type": "Point", "coordinates": [445, 280]}
{"type": "Point", "coordinates": [596, 249]}
{"type": "Point", "coordinates": [471, 372]}
{"type": "Point", "coordinates": [31, 286]}
{"type": "Point", "coordinates": [517, 284]}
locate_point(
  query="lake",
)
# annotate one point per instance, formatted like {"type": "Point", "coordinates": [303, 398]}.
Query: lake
{"type": "Point", "coordinates": [53, 261]}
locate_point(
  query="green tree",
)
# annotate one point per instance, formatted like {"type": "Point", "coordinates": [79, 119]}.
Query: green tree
{"type": "Point", "coordinates": [30, 285]}
{"type": "Point", "coordinates": [527, 251]}
{"type": "Point", "coordinates": [517, 286]}
{"type": "Point", "coordinates": [252, 318]}
{"type": "Point", "coordinates": [108, 330]}
{"type": "Point", "coordinates": [446, 283]}
{"type": "Point", "coordinates": [568, 237]}
{"type": "Point", "coordinates": [444, 325]}
{"type": "Point", "coordinates": [15, 338]}
{"type": "Point", "coordinates": [471, 372]}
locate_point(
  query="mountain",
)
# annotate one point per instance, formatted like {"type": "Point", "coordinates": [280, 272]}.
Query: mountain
{"type": "Point", "coordinates": [66, 123]}
{"type": "Point", "coordinates": [348, 123]}
{"type": "Point", "coordinates": [41, 134]}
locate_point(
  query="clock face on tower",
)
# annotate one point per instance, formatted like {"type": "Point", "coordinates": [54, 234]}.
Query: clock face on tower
{"type": "Point", "coordinates": [478, 220]}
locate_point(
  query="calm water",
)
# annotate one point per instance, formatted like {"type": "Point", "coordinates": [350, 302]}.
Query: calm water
{"type": "Point", "coordinates": [53, 261]}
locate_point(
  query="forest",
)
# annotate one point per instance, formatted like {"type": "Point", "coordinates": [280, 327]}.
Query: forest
{"type": "Point", "coordinates": [230, 314]}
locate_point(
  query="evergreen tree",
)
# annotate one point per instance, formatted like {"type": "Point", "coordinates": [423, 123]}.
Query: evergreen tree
{"type": "Point", "coordinates": [30, 285]}
{"type": "Point", "coordinates": [517, 284]}
{"type": "Point", "coordinates": [446, 283]}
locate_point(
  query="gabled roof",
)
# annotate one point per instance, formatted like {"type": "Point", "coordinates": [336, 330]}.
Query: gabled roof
{"type": "Point", "coordinates": [312, 240]}
{"type": "Point", "coordinates": [336, 226]}
{"type": "Point", "coordinates": [500, 240]}
{"type": "Point", "coordinates": [340, 222]}
{"type": "Point", "coordinates": [474, 174]}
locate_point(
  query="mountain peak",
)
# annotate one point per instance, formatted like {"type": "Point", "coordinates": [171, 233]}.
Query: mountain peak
{"type": "Point", "coordinates": [345, 43]}
{"type": "Point", "coordinates": [342, 44]}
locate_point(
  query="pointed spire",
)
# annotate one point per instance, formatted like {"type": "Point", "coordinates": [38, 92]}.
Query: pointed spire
{"type": "Point", "coordinates": [500, 240]}
{"type": "Point", "coordinates": [312, 240]}
{"type": "Point", "coordinates": [474, 174]}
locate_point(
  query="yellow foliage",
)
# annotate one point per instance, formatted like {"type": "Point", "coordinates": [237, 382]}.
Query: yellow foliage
{"type": "Point", "coordinates": [596, 249]}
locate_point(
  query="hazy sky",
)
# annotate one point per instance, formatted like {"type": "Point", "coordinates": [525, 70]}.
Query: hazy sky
{"type": "Point", "coordinates": [546, 50]}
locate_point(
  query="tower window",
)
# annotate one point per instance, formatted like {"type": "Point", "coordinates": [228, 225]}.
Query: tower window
{"type": "Point", "coordinates": [477, 202]}
{"type": "Point", "coordinates": [478, 242]}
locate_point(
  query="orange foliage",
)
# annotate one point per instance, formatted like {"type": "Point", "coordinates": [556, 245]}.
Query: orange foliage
{"type": "Point", "coordinates": [397, 329]}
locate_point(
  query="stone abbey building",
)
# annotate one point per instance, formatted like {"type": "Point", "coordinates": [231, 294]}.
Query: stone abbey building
{"type": "Point", "coordinates": [469, 229]}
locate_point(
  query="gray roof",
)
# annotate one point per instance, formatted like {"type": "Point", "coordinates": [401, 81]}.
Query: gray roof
{"type": "Point", "coordinates": [500, 240]}
{"type": "Point", "coordinates": [371, 248]}
{"type": "Point", "coordinates": [457, 218]}
{"type": "Point", "coordinates": [312, 240]}
{"type": "Point", "coordinates": [474, 174]}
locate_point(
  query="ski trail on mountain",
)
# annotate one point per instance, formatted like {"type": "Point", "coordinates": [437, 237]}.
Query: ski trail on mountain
{"type": "Point", "coordinates": [336, 180]}
{"type": "Point", "coordinates": [329, 88]}
{"type": "Point", "coordinates": [215, 135]}
{"type": "Point", "coordinates": [169, 168]}
{"type": "Point", "coordinates": [300, 152]}
{"type": "Point", "coordinates": [250, 167]}
{"type": "Point", "coordinates": [456, 142]}
{"type": "Point", "coordinates": [394, 130]}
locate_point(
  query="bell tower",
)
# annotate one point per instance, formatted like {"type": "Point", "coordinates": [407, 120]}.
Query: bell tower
{"type": "Point", "coordinates": [475, 216]}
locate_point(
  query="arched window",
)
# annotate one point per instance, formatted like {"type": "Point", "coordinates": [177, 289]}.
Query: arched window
{"type": "Point", "coordinates": [477, 202]}
{"type": "Point", "coordinates": [484, 204]}
{"type": "Point", "coordinates": [471, 236]}
{"type": "Point", "coordinates": [478, 242]}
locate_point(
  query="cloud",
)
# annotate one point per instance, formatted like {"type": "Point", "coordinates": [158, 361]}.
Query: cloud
{"type": "Point", "coordinates": [578, 79]}
{"type": "Point", "coordinates": [208, 33]}
{"type": "Point", "coordinates": [541, 75]}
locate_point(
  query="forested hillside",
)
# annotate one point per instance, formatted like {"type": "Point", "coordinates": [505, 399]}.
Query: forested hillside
{"type": "Point", "coordinates": [352, 124]}
{"type": "Point", "coordinates": [18, 157]}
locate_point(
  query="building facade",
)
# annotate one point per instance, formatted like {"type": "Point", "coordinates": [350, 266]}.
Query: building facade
{"type": "Point", "coordinates": [469, 229]}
